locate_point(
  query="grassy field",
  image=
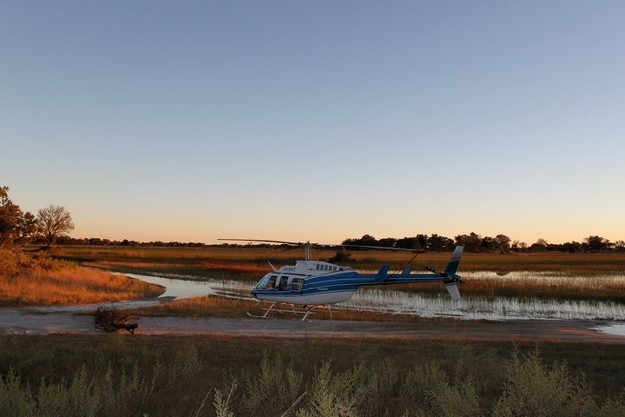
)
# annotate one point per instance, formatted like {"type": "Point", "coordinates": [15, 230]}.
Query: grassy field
{"type": "Point", "coordinates": [251, 261]}
{"type": "Point", "coordinates": [200, 376]}
{"type": "Point", "coordinates": [581, 276]}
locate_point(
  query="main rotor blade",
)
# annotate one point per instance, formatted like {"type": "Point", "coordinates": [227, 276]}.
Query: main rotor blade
{"type": "Point", "coordinates": [285, 242]}
{"type": "Point", "coordinates": [265, 241]}
{"type": "Point", "coordinates": [381, 248]}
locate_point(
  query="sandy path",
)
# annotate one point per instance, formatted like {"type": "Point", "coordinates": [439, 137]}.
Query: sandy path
{"type": "Point", "coordinates": [25, 321]}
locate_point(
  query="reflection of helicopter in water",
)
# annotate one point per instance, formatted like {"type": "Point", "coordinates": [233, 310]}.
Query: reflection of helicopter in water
{"type": "Point", "coordinates": [312, 284]}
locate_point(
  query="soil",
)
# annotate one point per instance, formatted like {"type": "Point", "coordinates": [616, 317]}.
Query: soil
{"type": "Point", "coordinates": [46, 321]}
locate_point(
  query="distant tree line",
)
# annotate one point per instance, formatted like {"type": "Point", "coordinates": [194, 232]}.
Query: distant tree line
{"type": "Point", "coordinates": [95, 241]}
{"type": "Point", "coordinates": [501, 243]}
{"type": "Point", "coordinates": [52, 224]}
{"type": "Point", "coordinates": [472, 242]}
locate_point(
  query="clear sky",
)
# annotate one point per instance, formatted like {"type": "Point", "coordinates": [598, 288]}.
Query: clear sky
{"type": "Point", "coordinates": [316, 120]}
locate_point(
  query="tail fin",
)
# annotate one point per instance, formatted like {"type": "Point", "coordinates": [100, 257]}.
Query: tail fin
{"type": "Point", "coordinates": [452, 266]}
{"type": "Point", "coordinates": [452, 284]}
{"type": "Point", "coordinates": [382, 273]}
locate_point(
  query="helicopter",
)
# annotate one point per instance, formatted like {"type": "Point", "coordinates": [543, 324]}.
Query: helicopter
{"type": "Point", "coordinates": [314, 284]}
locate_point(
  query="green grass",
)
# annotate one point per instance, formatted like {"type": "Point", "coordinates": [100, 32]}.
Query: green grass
{"type": "Point", "coordinates": [173, 376]}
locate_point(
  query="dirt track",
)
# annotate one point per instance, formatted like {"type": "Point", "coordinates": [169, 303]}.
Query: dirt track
{"type": "Point", "coordinates": [24, 321]}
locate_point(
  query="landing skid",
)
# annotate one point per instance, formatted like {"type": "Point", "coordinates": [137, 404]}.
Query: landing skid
{"type": "Point", "coordinates": [307, 310]}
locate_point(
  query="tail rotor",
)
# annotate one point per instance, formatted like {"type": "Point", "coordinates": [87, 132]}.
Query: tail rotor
{"type": "Point", "coordinates": [449, 276]}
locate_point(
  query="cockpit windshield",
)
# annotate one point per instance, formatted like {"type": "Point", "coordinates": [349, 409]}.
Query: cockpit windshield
{"type": "Point", "coordinates": [268, 281]}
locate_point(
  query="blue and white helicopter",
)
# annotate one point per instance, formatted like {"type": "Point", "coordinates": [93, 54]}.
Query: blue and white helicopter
{"type": "Point", "coordinates": [311, 284]}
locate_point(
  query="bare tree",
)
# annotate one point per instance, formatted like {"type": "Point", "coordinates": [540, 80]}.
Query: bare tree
{"type": "Point", "coordinates": [54, 221]}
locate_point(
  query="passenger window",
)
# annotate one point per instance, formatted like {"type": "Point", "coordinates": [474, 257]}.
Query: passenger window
{"type": "Point", "coordinates": [297, 284]}
{"type": "Point", "coordinates": [272, 281]}
{"type": "Point", "coordinates": [283, 281]}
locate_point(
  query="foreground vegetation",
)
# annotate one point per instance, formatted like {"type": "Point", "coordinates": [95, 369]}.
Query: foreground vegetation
{"type": "Point", "coordinates": [185, 376]}
{"type": "Point", "coordinates": [36, 279]}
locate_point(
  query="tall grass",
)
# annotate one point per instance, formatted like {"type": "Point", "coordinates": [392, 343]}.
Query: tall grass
{"type": "Point", "coordinates": [28, 280]}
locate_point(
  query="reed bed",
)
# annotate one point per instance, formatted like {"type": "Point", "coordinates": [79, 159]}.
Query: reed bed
{"type": "Point", "coordinates": [539, 285]}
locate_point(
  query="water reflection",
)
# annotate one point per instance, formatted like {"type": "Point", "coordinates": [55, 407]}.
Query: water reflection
{"type": "Point", "coordinates": [616, 329]}
{"type": "Point", "coordinates": [178, 287]}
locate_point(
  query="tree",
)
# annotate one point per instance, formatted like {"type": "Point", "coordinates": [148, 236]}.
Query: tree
{"type": "Point", "coordinates": [471, 242]}
{"type": "Point", "coordinates": [503, 243]}
{"type": "Point", "coordinates": [366, 240]}
{"type": "Point", "coordinates": [597, 243]}
{"type": "Point", "coordinates": [541, 245]}
{"type": "Point", "coordinates": [440, 243]}
{"type": "Point", "coordinates": [54, 221]}
{"type": "Point", "coordinates": [26, 227]}
{"type": "Point", "coordinates": [9, 214]}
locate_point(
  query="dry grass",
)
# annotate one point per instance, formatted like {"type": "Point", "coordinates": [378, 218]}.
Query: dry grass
{"type": "Point", "coordinates": [253, 260]}
{"type": "Point", "coordinates": [215, 306]}
{"type": "Point", "coordinates": [208, 306]}
{"type": "Point", "coordinates": [25, 280]}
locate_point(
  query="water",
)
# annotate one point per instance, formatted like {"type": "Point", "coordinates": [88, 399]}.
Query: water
{"type": "Point", "coordinates": [415, 304]}
{"type": "Point", "coordinates": [179, 286]}
{"type": "Point", "coordinates": [475, 308]}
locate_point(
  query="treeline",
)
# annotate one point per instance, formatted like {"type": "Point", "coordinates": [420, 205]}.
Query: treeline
{"type": "Point", "coordinates": [473, 242]}
{"type": "Point", "coordinates": [95, 241]}
{"type": "Point", "coordinates": [52, 224]}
